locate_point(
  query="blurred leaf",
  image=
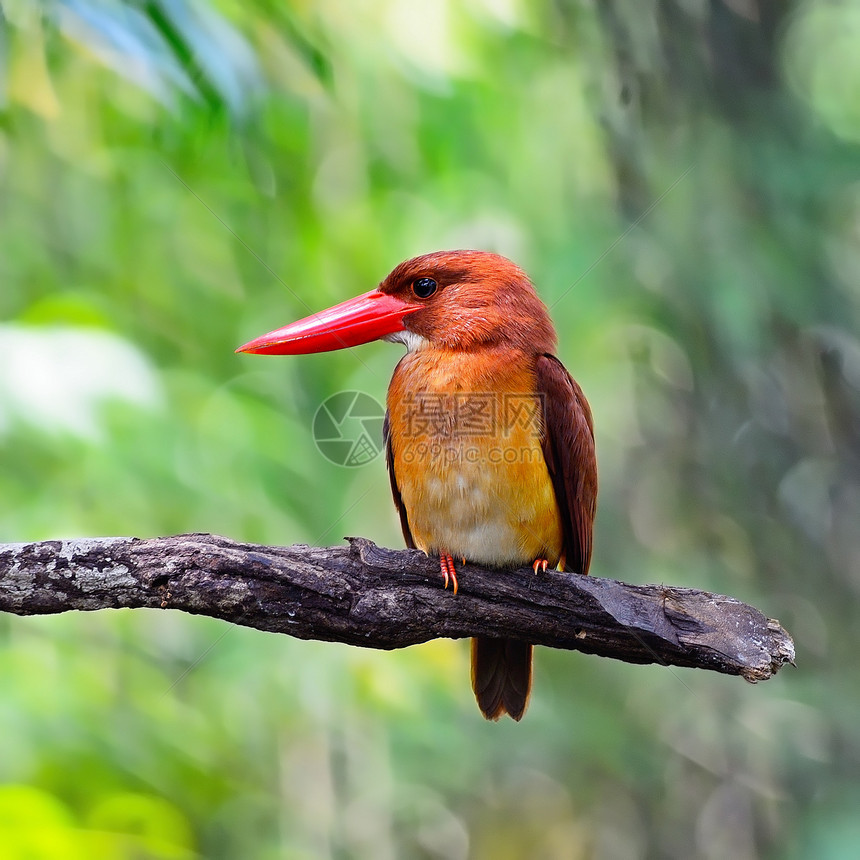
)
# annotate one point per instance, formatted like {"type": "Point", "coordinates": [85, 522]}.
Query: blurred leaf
{"type": "Point", "coordinates": [160, 829]}
{"type": "Point", "coordinates": [36, 826]}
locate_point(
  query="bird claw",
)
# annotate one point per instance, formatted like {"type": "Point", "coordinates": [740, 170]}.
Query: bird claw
{"type": "Point", "coordinates": [449, 572]}
{"type": "Point", "coordinates": [540, 563]}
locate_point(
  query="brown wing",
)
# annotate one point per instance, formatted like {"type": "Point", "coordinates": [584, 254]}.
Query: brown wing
{"type": "Point", "coordinates": [568, 447]}
{"type": "Point", "coordinates": [395, 490]}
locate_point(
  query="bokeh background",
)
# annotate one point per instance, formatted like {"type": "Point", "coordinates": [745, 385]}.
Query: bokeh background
{"type": "Point", "coordinates": [682, 181]}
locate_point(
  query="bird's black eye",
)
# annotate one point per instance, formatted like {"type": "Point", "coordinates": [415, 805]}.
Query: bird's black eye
{"type": "Point", "coordinates": [424, 287]}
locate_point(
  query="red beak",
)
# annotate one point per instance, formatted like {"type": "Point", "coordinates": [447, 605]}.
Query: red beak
{"type": "Point", "coordinates": [367, 317]}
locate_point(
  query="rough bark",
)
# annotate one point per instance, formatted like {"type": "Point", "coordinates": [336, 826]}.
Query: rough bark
{"type": "Point", "coordinates": [364, 595]}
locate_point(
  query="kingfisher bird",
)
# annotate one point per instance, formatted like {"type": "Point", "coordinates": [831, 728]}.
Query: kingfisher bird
{"type": "Point", "coordinates": [489, 441]}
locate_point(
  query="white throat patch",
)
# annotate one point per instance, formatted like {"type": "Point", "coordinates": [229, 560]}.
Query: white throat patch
{"type": "Point", "coordinates": [409, 339]}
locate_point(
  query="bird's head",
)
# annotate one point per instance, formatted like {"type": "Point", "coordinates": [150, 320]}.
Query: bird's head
{"type": "Point", "coordinates": [457, 300]}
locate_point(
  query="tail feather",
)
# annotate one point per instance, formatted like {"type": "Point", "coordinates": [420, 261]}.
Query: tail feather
{"type": "Point", "coordinates": [501, 676]}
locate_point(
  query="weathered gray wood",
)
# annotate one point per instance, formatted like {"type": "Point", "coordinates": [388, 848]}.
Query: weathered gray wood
{"type": "Point", "coordinates": [364, 595]}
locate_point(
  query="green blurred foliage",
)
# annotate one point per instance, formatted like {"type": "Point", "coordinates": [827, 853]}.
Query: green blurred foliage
{"type": "Point", "coordinates": [682, 181]}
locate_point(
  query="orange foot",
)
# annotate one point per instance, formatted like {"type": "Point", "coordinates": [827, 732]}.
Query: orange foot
{"type": "Point", "coordinates": [449, 572]}
{"type": "Point", "coordinates": [540, 564]}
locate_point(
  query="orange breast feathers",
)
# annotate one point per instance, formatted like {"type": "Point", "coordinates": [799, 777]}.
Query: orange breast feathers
{"type": "Point", "coordinates": [465, 431]}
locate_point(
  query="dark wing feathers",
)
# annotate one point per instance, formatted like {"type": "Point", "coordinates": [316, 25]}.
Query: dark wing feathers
{"type": "Point", "coordinates": [568, 448]}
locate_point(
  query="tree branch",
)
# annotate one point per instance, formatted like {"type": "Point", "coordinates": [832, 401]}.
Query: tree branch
{"type": "Point", "coordinates": [379, 598]}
